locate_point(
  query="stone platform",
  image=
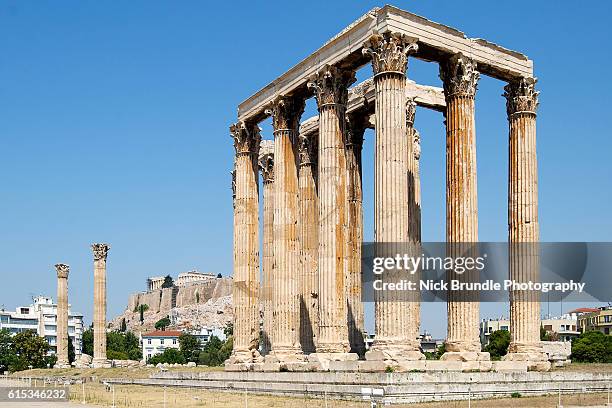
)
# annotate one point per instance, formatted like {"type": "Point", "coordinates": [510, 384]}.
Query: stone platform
{"type": "Point", "coordinates": [393, 387]}
{"type": "Point", "coordinates": [384, 366]}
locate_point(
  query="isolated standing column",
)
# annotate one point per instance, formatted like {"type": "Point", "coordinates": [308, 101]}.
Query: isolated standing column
{"type": "Point", "coordinates": [62, 316]}
{"type": "Point", "coordinates": [246, 244]}
{"type": "Point", "coordinates": [100, 252]}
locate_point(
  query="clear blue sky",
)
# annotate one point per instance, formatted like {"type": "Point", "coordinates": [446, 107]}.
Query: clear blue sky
{"type": "Point", "coordinates": [114, 126]}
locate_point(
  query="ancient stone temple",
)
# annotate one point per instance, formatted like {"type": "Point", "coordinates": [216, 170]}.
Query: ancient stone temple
{"type": "Point", "coordinates": [309, 292]}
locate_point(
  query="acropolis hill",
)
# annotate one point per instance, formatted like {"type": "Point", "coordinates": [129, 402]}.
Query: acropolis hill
{"type": "Point", "coordinates": [206, 301]}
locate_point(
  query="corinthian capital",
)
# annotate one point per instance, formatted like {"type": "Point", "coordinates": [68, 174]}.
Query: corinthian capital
{"type": "Point", "coordinates": [308, 148]}
{"type": "Point", "coordinates": [459, 76]}
{"type": "Point", "coordinates": [62, 270]}
{"type": "Point", "coordinates": [389, 52]}
{"type": "Point", "coordinates": [246, 138]}
{"type": "Point", "coordinates": [100, 251]}
{"type": "Point", "coordinates": [521, 96]}
{"type": "Point", "coordinates": [286, 112]}
{"type": "Point", "coordinates": [331, 85]}
{"type": "Point", "coordinates": [266, 160]}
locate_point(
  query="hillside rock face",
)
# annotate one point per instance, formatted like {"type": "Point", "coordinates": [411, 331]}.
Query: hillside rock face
{"type": "Point", "coordinates": [207, 303]}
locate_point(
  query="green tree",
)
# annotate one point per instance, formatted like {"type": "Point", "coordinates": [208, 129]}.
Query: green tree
{"type": "Point", "coordinates": [123, 346]}
{"type": "Point", "coordinates": [132, 346]}
{"type": "Point", "coordinates": [31, 350]}
{"type": "Point", "coordinates": [170, 356]}
{"type": "Point", "coordinates": [87, 342]}
{"type": "Point", "coordinates": [219, 276]}
{"type": "Point", "coordinates": [7, 354]}
{"type": "Point", "coordinates": [190, 346]}
{"type": "Point", "coordinates": [123, 325]}
{"type": "Point", "coordinates": [162, 324]}
{"type": "Point", "coordinates": [215, 352]}
{"type": "Point", "coordinates": [168, 282]}
{"type": "Point", "coordinates": [229, 329]}
{"type": "Point", "coordinates": [498, 344]}
{"type": "Point", "coordinates": [592, 347]}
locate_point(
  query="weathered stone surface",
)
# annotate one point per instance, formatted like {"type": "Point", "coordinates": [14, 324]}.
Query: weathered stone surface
{"type": "Point", "coordinates": [508, 366]}
{"type": "Point", "coordinates": [441, 365]}
{"type": "Point", "coordinates": [62, 316]}
{"type": "Point", "coordinates": [100, 252]}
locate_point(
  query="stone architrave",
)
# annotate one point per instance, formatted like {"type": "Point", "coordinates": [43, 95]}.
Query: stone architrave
{"type": "Point", "coordinates": [62, 316]}
{"type": "Point", "coordinates": [286, 112]}
{"type": "Point", "coordinates": [246, 245]}
{"type": "Point", "coordinates": [389, 53]}
{"type": "Point", "coordinates": [100, 252]}
{"type": "Point", "coordinates": [331, 91]}
{"type": "Point", "coordinates": [460, 80]}
{"type": "Point", "coordinates": [266, 166]}
{"type": "Point", "coordinates": [523, 224]}
{"type": "Point", "coordinates": [308, 234]}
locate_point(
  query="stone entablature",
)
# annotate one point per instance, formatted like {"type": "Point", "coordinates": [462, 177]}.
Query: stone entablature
{"type": "Point", "coordinates": [187, 278]}
{"type": "Point", "coordinates": [436, 42]}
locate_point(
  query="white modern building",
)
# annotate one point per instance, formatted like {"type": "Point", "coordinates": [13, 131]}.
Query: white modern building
{"type": "Point", "coordinates": [41, 317]}
{"type": "Point", "coordinates": [564, 326]}
{"type": "Point", "coordinates": [156, 342]}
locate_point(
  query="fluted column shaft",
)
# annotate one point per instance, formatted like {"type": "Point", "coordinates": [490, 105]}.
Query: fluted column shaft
{"type": "Point", "coordinates": [413, 305]}
{"type": "Point", "coordinates": [100, 252]}
{"type": "Point", "coordinates": [308, 226]}
{"type": "Point", "coordinates": [246, 243]}
{"type": "Point", "coordinates": [331, 87]}
{"type": "Point", "coordinates": [356, 126]}
{"type": "Point", "coordinates": [266, 164]}
{"type": "Point", "coordinates": [460, 82]}
{"type": "Point", "coordinates": [62, 316]}
{"type": "Point", "coordinates": [286, 112]}
{"type": "Point", "coordinates": [523, 224]}
{"type": "Point", "coordinates": [389, 54]}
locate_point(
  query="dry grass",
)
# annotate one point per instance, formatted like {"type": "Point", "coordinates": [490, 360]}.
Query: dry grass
{"type": "Point", "coordinates": [153, 397]}
{"type": "Point", "coordinates": [587, 368]}
{"type": "Point", "coordinates": [143, 372]}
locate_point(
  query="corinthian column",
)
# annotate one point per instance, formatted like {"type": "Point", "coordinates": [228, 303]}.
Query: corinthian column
{"type": "Point", "coordinates": [308, 233]}
{"type": "Point", "coordinates": [286, 113]}
{"type": "Point", "coordinates": [246, 244]}
{"type": "Point", "coordinates": [413, 305]}
{"type": "Point", "coordinates": [266, 165]}
{"type": "Point", "coordinates": [100, 252]}
{"type": "Point", "coordinates": [356, 126]}
{"type": "Point", "coordinates": [523, 225]}
{"type": "Point", "coordinates": [62, 316]}
{"type": "Point", "coordinates": [394, 342]}
{"type": "Point", "coordinates": [331, 91]}
{"type": "Point", "coordinates": [460, 80]}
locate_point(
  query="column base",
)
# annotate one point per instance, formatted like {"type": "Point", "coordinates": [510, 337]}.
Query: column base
{"type": "Point", "coordinates": [533, 355]}
{"type": "Point", "coordinates": [101, 363]}
{"type": "Point", "coordinates": [465, 356]}
{"type": "Point", "coordinates": [334, 361]}
{"type": "Point", "coordinates": [392, 351]}
{"type": "Point", "coordinates": [244, 357]}
{"type": "Point", "coordinates": [62, 364]}
{"type": "Point", "coordinates": [285, 355]}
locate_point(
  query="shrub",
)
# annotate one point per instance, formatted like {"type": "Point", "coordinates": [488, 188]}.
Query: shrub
{"type": "Point", "coordinates": [498, 344]}
{"type": "Point", "coordinates": [169, 356]}
{"type": "Point", "coordinates": [592, 347]}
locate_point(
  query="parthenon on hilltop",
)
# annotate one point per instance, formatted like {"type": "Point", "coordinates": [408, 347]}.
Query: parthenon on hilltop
{"type": "Point", "coordinates": [310, 286]}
